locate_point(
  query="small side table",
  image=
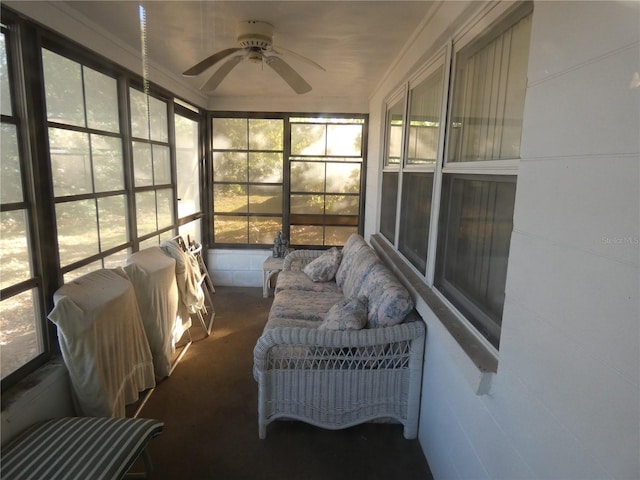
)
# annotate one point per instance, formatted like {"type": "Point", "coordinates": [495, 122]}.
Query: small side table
{"type": "Point", "coordinates": [270, 267]}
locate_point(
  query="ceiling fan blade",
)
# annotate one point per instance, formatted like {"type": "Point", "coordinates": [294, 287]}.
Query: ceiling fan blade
{"type": "Point", "coordinates": [288, 74]}
{"type": "Point", "coordinates": [220, 74]}
{"type": "Point", "coordinates": [209, 61]}
{"type": "Point", "coordinates": [277, 49]}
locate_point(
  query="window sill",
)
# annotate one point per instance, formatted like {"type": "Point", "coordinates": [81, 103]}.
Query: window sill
{"type": "Point", "coordinates": [477, 363]}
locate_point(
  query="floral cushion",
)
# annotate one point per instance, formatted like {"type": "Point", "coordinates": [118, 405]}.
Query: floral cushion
{"type": "Point", "coordinates": [389, 301]}
{"type": "Point", "coordinates": [353, 244]}
{"type": "Point", "coordinates": [363, 262]}
{"type": "Point", "coordinates": [324, 268]}
{"type": "Point", "coordinates": [298, 280]}
{"type": "Point", "coordinates": [301, 305]}
{"type": "Point", "coordinates": [347, 314]}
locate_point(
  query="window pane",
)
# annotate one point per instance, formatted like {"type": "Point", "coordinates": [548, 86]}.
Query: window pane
{"type": "Point", "coordinates": [5, 91]}
{"type": "Point", "coordinates": [232, 229]}
{"type": "Point", "coordinates": [77, 230]}
{"type": "Point", "coordinates": [191, 230]}
{"type": "Point", "coordinates": [161, 165]}
{"type": "Point", "coordinates": [388, 207]}
{"type": "Point", "coordinates": [307, 235]}
{"type": "Point", "coordinates": [307, 177]}
{"type": "Point", "coordinates": [230, 133]}
{"type": "Point", "coordinates": [70, 162]}
{"type": "Point", "coordinates": [342, 204]}
{"type": "Point", "coordinates": [19, 332]}
{"type": "Point", "coordinates": [424, 115]}
{"type": "Point", "coordinates": [112, 213]}
{"type": "Point", "coordinates": [343, 177]}
{"type": "Point", "coordinates": [118, 259]}
{"type": "Point", "coordinates": [475, 256]}
{"type": "Point", "coordinates": [262, 230]}
{"type": "Point", "coordinates": [265, 134]}
{"type": "Point", "coordinates": [63, 87]}
{"type": "Point", "coordinates": [309, 204]}
{"type": "Point", "coordinates": [139, 116]}
{"type": "Point", "coordinates": [149, 242]}
{"type": "Point", "coordinates": [142, 164]}
{"type": "Point", "coordinates": [230, 198]}
{"type": "Point", "coordinates": [308, 139]}
{"type": "Point", "coordinates": [265, 199]}
{"type": "Point", "coordinates": [101, 92]}
{"type": "Point", "coordinates": [108, 173]}
{"type": "Point", "coordinates": [10, 177]}
{"type": "Point", "coordinates": [14, 254]}
{"type": "Point", "coordinates": [230, 167]}
{"type": "Point", "coordinates": [265, 167]}
{"type": "Point", "coordinates": [395, 124]}
{"type": "Point", "coordinates": [78, 272]}
{"type": "Point", "coordinates": [165, 207]}
{"type": "Point", "coordinates": [146, 213]}
{"type": "Point", "coordinates": [488, 99]}
{"type": "Point", "coordinates": [344, 140]}
{"type": "Point", "coordinates": [415, 214]}
{"type": "Point", "coordinates": [158, 120]}
{"type": "Point", "coordinates": [187, 166]}
{"type": "Point", "coordinates": [338, 235]}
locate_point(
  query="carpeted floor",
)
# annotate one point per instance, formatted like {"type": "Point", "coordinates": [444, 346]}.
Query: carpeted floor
{"type": "Point", "coordinates": [209, 407]}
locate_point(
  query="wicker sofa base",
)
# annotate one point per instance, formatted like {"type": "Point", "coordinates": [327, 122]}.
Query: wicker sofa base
{"type": "Point", "coordinates": [336, 380]}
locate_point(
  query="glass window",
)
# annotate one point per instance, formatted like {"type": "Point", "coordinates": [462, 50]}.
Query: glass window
{"type": "Point", "coordinates": [477, 207]}
{"type": "Point", "coordinates": [22, 332]}
{"type": "Point", "coordinates": [154, 192]}
{"type": "Point", "coordinates": [388, 205]}
{"type": "Point", "coordinates": [87, 163]}
{"type": "Point", "coordinates": [325, 171]}
{"type": "Point", "coordinates": [424, 120]}
{"type": "Point", "coordinates": [475, 247]}
{"type": "Point", "coordinates": [488, 101]}
{"type": "Point", "coordinates": [187, 166]}
{"type": "Point", "coordinates": [247, 179]}
{"type": "Point", "coordinates": [423, 133]}
{"type": "Point", "coordinates": [415, 206]}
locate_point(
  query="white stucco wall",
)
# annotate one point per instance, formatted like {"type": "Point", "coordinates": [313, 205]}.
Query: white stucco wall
{"type": "Point", "coordinates": [565, 402]}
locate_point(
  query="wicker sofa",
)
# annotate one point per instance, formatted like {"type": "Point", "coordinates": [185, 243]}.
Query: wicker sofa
{"type": "Point", "coordinates": [336, 378]}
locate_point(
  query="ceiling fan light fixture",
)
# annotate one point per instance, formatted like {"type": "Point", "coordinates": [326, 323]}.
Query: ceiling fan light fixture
{"type": "Point", "coordinates": [255, 34]}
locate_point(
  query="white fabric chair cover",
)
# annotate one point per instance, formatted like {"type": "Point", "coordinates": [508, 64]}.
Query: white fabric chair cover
{"type": "Point", "coordinates": [103, 342]}
{"type": "Point", "coordinates": [152, 273]}
{"type": "Point", "coordinates": [189, 280]}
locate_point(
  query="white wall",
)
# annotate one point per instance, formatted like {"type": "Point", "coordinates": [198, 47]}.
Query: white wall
{"type": "Point", "coordinates": [565, 402]}
{"type": "Point", "coordinates": [236, 268]}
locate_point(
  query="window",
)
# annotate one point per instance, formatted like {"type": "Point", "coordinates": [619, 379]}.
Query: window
{"type": "Point", "coordinates": [394, 133]}
{"type": "Point", "coordinates": [87, 165]}
{"type": "Point", "coordinates": [22, 336]}
{"type": "Point", "coordinates": [188, 174]}
{"type": "Point", "coordinates": [326, 168]}
{"type": "Point", "coordinates": [154, 193]}
{"type": "Point", "coordinates": [477, 207]}
{"type": "Point", "coordinates": [247, 179]}
{"type": "Point", "coordinates": [462, 200]}
{"type": "Point", "coordinates": [425, 107]}
{"type": "Point", "coordinates": [313, 197]}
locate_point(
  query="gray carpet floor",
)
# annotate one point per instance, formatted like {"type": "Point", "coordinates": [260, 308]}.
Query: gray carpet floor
{"type": "Point", "coordinates": [209, 407]}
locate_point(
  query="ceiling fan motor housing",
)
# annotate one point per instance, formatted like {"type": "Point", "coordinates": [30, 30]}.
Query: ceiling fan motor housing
{"type": "Point", "coordinates": [255, 34]}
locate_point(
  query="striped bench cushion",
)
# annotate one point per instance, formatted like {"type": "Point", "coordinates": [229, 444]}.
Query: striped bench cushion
{"type": "Point", "coordinates": [78, 448]}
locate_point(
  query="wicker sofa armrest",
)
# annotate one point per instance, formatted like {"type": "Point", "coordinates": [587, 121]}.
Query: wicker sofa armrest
{"type": "Point", "coordinates": [299, 258]}
{"type": "Point", "coordinates": [278, 344]}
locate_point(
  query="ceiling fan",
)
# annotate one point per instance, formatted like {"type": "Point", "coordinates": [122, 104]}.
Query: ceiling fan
{"type": "Point", "coordinates": [256, 46]}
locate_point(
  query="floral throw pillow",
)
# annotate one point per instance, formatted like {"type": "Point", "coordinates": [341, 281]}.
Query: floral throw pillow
{"type": "Point", "coordinates": [347, 314]}
{"type": "Point", "coordinates": [324, 268]}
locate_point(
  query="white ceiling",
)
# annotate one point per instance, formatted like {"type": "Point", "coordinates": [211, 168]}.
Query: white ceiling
{"type": "Point", "coordinates": [355, 41]}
